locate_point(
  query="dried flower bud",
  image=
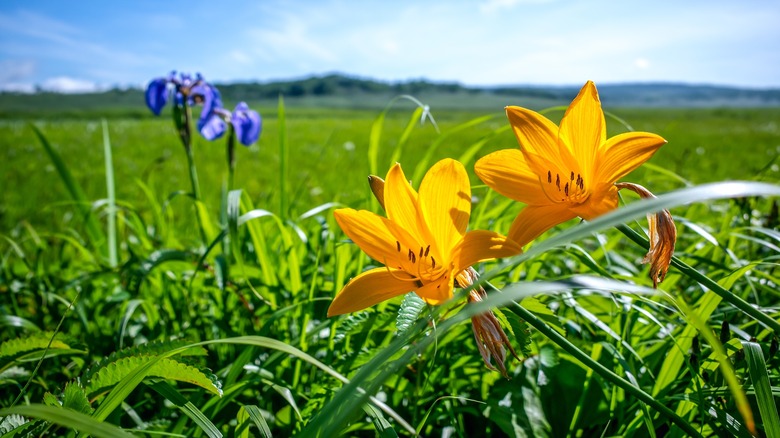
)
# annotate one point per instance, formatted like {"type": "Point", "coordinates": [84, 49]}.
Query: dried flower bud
{"type": "Point", "coordinates": [663, 236]}
{"type": "Point", "coordinates": [492, 342]}
{"type": "Point", "coordinates": [377, 185]}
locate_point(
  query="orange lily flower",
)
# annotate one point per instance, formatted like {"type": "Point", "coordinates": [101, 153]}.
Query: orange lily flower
{"type": "Point", "coordinates": [566, 171]}
{"type": "Point", "coordinates": [422, 242]}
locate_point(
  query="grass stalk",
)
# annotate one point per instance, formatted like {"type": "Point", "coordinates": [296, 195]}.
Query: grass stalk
{"type": "Point", "coordinates": [707, 282]}
{"type": "Point", "coordinates": [284, 155]}
{"type": "Point", "coordinates": [111, 193]}
{"type": "Point", "coordinates": [600, 369]}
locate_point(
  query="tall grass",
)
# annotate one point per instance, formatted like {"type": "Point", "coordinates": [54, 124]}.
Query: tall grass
{"type": "Point", "coordinates": [163, 335]}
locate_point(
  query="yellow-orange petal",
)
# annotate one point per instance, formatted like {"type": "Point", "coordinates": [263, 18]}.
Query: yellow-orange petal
{"type": "Point", "coordinates": [535, 132]}
{"type": "Point", "coordinates": [534, 220]}
{"type": "Point", "coordinates": [507, 172]}
{"type": "Point", "coordinates": [369, 288]}
{"type": "Point", "coordinates": [603, 199]}
{"type": "Point", "coordinates": [481, 245]}
{"type": "Point", "coordinates": [583, 127]}
{"type": "Point", "coordinates": [401, 202]}
{"type": "Point", "coordinates": [625, 152]}
{"type": "Point", "coordinates": [437, 292]}
{"type": "Point", "coordinates": [375, 235]}
{"type": "Point", "coordinates": [445, 203]}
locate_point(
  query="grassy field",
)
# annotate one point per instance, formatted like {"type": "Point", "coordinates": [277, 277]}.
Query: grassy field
{"type": "Point", "coordinates": [162, 332]}
{"type": "Point", "coordinates": [705, 145]}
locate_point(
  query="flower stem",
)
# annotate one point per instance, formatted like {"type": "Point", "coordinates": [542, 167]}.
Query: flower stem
{"type": "Point", "coordinates": [183, 123]}
{"type": "Point", "coordinates": [708, 283]}
{"type": "Point", "coordinates": [231, 157]}
{"type": "Point", "coordinates": [600, 369]}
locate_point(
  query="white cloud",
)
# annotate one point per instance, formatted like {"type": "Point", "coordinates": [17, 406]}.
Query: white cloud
{"type": "Point", "coordinates": [493, 6]}
{"type": "Point", "coordinates": [641, 63]}
{"type": "Point", "coordinates": [18, 87]}
{"type": "Point", "coordinates": [65, 84]}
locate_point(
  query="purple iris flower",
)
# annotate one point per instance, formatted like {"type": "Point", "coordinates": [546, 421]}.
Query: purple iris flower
{"type": "Point", "coordinates": [211, 123]}
{"type": "Point", "coordinates": [157, 95]}
{"type": "Point", "coordinates": [246, 123]}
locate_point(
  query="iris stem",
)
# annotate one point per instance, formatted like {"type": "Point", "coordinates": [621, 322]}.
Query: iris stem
{"type": "Point", "coordinates": [707, 282]}
{"type": "Point", "coordinates": [185, 133]}
{"type": "Point", "coordinates": [600, 369]}
{"type": "Point", "coordinates": [231, 156]}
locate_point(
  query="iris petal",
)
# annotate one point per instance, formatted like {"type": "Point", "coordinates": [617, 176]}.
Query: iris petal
{"type": "Point", "coordinates": [211, 127]}
{"type": "Point", "coordinates": [246, 123]}
{"type": "Point", "coordinates": [157, 95]}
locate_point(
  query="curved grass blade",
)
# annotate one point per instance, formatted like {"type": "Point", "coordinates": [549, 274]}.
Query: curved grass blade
{"type": "Point", "coordinates": [94, 231]}
{"type": "Point", "coordinates": [70, 419]}
{"type": "Point", "coordinates": [18, 322]}
{"type": "Point", "coordinates": [760, 378]}
{"type": "Point", "coordinates": [375, 135]}
{"type": "Point", "coordinates": [373, 374]}
{"type": "Point", "coordinates": [252, 412]}
{"type": "Point", "coordinates": [171, 394]}
{"type": "Point", "coordinates": [398, 149]}
{"type": "Point", "coordinates": [423, 164]}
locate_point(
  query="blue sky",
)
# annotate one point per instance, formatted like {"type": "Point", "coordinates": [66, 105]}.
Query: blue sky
{"type": "Point", "coordinates": [87, 45]}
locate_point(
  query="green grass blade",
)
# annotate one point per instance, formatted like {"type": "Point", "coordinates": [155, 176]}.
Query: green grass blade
{"type": "Point", "coordinates": [171, 394]}
{"type": "Point", "coordinates": [252, 412]}
{"type": "Point", "coordinates": [94, 231]}
{"type": "Point", "coordinates": [424, 163]}
{"type": "Point", "coordinates": [70, 419]}
{"type": "Point", "coordinates": [413, 121]}
{"type": "Point", "coordinates": [673, 362]}
{"type": "Point", "coordinates": [760, 378]}
{"type": "Point", "coordinates": [111, 193]}
{"type": "Point", "coordinates": [330, 418]}
{"type": "Point", "coordinates": [374, 137]}
{"type": "Point", "coordinates": [284, 158]}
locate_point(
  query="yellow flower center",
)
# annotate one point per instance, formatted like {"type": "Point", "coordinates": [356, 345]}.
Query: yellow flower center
{"type": "Point", "coordinates": [421, 264]}
{"type": "Point", "coordinates": [565, 187]}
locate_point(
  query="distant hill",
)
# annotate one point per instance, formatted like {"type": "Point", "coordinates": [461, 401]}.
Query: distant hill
{"type": "Point", "coordinates": [343, 91]}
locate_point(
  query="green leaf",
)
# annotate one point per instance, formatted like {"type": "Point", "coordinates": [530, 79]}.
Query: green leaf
{"type": "Point", "coordinates": [165, 368]}
{"type": "Point", "coordinates": [154, 348]}
{"type": "Point", "coordinates": [11, 422]}
{"type": "Point", "coordinates": [34, 341]}
{"type": "Point", "coordinates": [75, 397]}
{"type": "Point", "coordinates": [521, 331]}
{"type": "Point", "coordinates": [411, 307]}
{"type": "Point", "coordinates": [538, 308]}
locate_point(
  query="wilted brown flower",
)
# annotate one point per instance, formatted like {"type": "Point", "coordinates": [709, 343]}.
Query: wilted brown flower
{"type": "Point", "coordinates": [492, 342]}
{"type": "Point", "coordinates": [663, 236]}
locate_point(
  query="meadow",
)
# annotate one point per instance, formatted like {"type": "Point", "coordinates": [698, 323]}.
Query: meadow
{"type": "Point", "coordinates": [138, 311]}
